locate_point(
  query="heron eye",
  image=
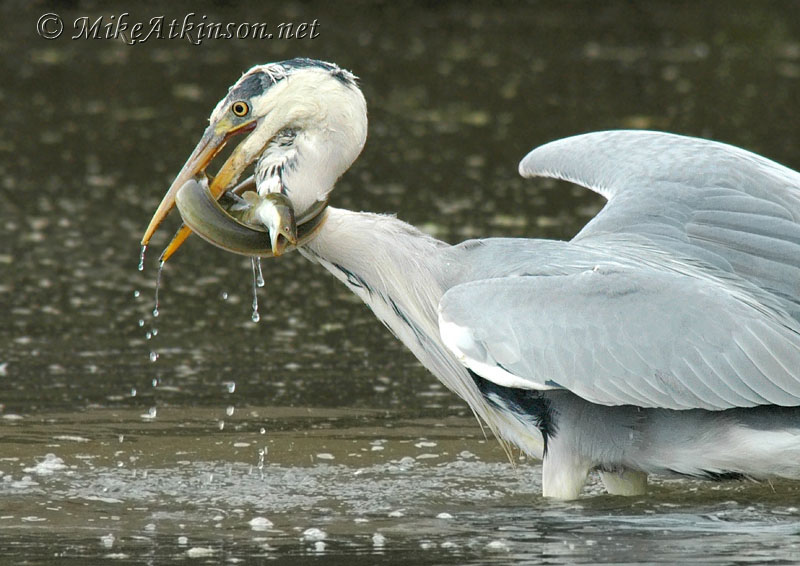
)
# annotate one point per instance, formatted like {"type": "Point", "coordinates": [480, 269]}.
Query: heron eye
{"type": "Point", "coordinates": [240, 108]}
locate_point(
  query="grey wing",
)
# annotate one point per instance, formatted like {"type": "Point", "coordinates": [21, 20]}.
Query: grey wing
{"type": "Point", "coordinates": [696, 198]}
{"type": "Point", "coordinates": [625, 335]}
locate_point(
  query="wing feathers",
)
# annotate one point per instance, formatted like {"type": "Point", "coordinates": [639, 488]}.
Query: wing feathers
{"type": "Point", "coordinates": [631, 335]}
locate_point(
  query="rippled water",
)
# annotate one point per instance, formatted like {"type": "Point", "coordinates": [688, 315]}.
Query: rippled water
{"type": "Point", "coordinates": [199, 435]}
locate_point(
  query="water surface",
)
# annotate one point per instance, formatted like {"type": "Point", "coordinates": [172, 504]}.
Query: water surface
{"type": "Point", "coordinates": [312, 436]}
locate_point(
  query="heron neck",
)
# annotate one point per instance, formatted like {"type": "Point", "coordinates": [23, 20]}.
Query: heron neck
{"type": "Point", "coordinates": [381, 258]}
{"type": "Point", "coordinates": [401, 274]}
{"type": "Point", "coordinates": [397, 270]}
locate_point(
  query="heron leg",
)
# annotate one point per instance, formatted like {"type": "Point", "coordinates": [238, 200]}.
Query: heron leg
{"type": "Point", "coordinates": [624, 482]}
{"type": "Point", "coordinates": [563, 475]}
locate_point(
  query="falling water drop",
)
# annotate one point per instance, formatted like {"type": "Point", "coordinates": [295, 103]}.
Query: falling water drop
{"type": "Point", "coordinates": [136, 293]}
{"type": "Point", "coordinates": [154, 332]}
{"type": "Point", "coordinates": [141, 322]}
{"type": "Point", "coordinates": [259, 274]}
{"type": "Point", "coordinates": [133, 392]}
{"type": "Point", "coordinates": [155, 382]}
{"type": "Point", "coordinates": [148, 335]}
{"type": "Point", "coordinates": [256, 273]}
{"type": "Point", "coordinates": [158, 286]}
{"type": "Point", "coordinates": [153, 356]}
{"type": "Point", "coordinates": [141, 258]}
{"type": "Point", "coordinates": [230, 386]}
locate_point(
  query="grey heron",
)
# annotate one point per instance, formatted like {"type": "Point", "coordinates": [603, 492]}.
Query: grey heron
{"type": "Point", "coordinates": [664, 338]}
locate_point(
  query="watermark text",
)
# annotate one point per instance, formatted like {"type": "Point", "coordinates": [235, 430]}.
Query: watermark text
{"type": "Point", "coordinates": [192, 27]}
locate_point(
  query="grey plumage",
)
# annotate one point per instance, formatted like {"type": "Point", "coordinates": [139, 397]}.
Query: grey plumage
{"type": "Point", "coordinates": [664, 338]}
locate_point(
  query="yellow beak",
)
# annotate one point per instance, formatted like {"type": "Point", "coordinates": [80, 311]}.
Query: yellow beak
{"type": "Point", "coordinates": [214, 139]}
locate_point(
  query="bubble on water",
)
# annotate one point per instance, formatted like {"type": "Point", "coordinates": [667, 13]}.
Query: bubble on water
{"type": "Point", "coordinates": [153, 356]}
{"type": "Point", "coordinates": [141, 258]}
{"type": "Point", "coordinates": [262, 431]}
{"type": "Point", "coordinates": [260, 524]}
{"type": "Point", "coordinates": [107, 540]}
{"type": "Point", "coordinates": [183, 541]}
{"type": "Point", "coordinates": [444, 516]}
{"type": "Point", "coordinates": [314, 534]}
{"type": "Point", "coordinates": [200, 552]}
{"type": "Point", "coordinates": [378, 540]}
{"type": "Point", "coordinates": [498, 546]}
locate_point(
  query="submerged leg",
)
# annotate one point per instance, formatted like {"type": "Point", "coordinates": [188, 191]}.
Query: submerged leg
{"type": "Point", "coordinates": [563, 474]}
{"type": "Point", "coordinates": [625, 482]}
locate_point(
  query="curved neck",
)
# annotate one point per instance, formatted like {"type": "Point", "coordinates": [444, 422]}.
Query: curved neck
{"type": "Point", "coordinates": [401, 274]}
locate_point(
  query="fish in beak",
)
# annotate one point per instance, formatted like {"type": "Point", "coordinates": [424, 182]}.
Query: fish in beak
{"type": "Point", "coordinates": [273, 211]}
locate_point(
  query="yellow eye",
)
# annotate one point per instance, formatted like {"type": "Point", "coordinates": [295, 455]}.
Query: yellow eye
{"type": "Point", "coordinates": [240, 108]}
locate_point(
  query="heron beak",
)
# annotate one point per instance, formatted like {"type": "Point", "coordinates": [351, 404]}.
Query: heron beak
{"type": "Point", "coordinates": [214, 139]}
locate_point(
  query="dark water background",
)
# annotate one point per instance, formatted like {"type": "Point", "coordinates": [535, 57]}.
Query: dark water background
{"type": "Point", "coordinates": [241, 437]}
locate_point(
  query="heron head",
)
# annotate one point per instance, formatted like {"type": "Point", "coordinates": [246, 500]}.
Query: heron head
{"type": "Point", "coordinates": [301, 123]}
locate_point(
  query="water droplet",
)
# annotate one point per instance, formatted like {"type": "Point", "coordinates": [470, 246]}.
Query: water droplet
{"type": "Point", "coordinates": [121, 438]}
{"type": "Point", "coordinates": [229, 411]}
{"type": "Point", "coordinates": [152, 412]}
{"type": "Point", "coordinates": [221, 425]}
{"type": "Point", "coordinates": [141, 258]}
{"type": "Point", "coordinates": [136, 293]}
{"type": "Point", "coordinates": [256, 272]}
{"type": "Point", "coordinates": [230, 386]}
{"type": "Point", "coordinates": [148, 335]}
{"type": "Point", "coordinates": [153, 356]}
{"type": "Point", "coordinates": [154, 332]}
{"type": "Point", "coordinates": [224, 295]}
{"type": "Point", "coordinates": [155, 382]}
{"type": "Point", "coordinates": [141, 322]}
{"type": "Point", "coordinates": [133, 392]}
{"type": "Point", "coordinates": [158, 286]}
{"type": "Point", "coordinates": [259, 275]}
